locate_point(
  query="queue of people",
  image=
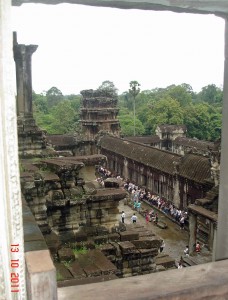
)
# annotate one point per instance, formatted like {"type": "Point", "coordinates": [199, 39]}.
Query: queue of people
{"type": "Point", "coordinates": [138, 194]}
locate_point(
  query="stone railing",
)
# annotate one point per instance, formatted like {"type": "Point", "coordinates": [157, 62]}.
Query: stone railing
{"type": "Point", "coordinates": [207, 281]}
{"type": "Point", "coordinates": [40, 270]}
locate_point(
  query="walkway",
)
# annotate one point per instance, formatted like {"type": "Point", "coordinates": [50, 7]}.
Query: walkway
{"type": "Point", "coordinates": [175, 239]}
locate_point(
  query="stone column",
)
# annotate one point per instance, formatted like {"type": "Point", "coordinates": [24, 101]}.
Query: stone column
{"type": "Point", "coordinates": [12, 273]}
{"type": "Point", "coordinates": [125, 169]}
{"type": "Point", "coordinates": [211, 235]}
{"type": "Point", "coordinates": [176, 192]}
{"type": "Point", "coordinates": [192, 232]}
{"type": "Point", "coordinates": [221, 251]}
{"type": "Point", "coordinates": [23, 60]}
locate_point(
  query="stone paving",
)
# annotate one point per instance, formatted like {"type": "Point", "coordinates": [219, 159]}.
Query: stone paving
{"type": "Point", "coordinates": [175, 238]}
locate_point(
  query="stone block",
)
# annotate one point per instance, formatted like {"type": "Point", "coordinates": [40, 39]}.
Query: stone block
{"type": "Point", "coordinates": [66, 254]}
{"type": "Point", "coordinates": [165, 261]}
{"type": "Point", "coordinates": [129, 236]}
{"type": "Point", "coordinates": [100, 239]}
{"type": "Point", "coordinates": [125, 264]}
{"type": "Point", "coordinates": [101, 230]}
{"type": "Point", "coordinates": [147, 243]}
{"type": "Point", "coordinates": [62, 272]}
{"type": "Point", "coordinates": [136, 270]}
{"type": "Point", "coordinates": [160, 268]}
{"type": "Point", "coordinates": [76, 270]}
{"type": "Point", "coordinates": [101, 261]}
{"type": "Point", "coordinates": [108, 249]}
{"type": "Point", "coordinates": [126, 271]}
{"type": "Point", "coordinates": [52, 241]}
{"type": "Point", "coordinates": [80, 237]}
{"type": "Point", "coordinates": [112, 258]}
{"type": "Point", "coordinates": [134, 263]}
{"type": "Point", "coordinates": [149, 252]}
{"type": "Point", "coordinates": [131, 255]}
{"type": "Point", "coordinates": [114, 237]}
{"type": "Point", "coordinates": [114, 211]}
{"type": "Point", "coordinates": [126, 247]}
{"type": "Point", "coordinates": [146, 233]}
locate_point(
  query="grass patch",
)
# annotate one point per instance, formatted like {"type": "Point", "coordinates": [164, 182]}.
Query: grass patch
{"type": "Point", "coordinates": [67, 263]}
{"type": "Point", "coordinates": [59, 277]}
{"type": "Point", "coordinates": [82, 250]}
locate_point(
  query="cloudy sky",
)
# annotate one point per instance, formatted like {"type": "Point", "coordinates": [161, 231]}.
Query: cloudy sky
{"type": "Point", "coordinates": [82, 46]}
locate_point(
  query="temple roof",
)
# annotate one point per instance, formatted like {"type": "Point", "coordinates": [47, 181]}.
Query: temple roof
{"type": "Point", "coordinates": [171, 128]}
{"type": "Point", "coordinates": [191, 166]}
{"type": "Point", "coordinates": [147, 139]}
{"type": "Point", "coordinates": [202, 145]}
{"type": "Point", "coordinates": [149, 156]}
{"type": "Point", "coordinates": [195, 167]}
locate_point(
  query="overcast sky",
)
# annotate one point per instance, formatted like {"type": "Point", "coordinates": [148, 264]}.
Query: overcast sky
{"type": "Point", "coordinates": [82, 46]}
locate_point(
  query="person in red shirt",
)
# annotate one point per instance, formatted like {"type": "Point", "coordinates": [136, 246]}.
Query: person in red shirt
{"type": "Point", "coordinates": [198, 248]}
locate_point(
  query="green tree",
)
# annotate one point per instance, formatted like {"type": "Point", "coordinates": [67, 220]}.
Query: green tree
{"type": "Point", "coordinates": [64, 118]}
{"type": "Point", "coordinates": [134, 91]}
{"type": "Point", "coordinates": [39, 103]}
{"type": "Point", "coordinates": [181, 94]}
{"type": "Point", "coordinates": [108, 87]}
{"type": "Point", "coordinates": [128, 128]}
{"type": "Point", "coordinates": [165, 111]}
{"type": "Point", "coordinates": [211, 94]}
{"type": "Point", "coordinates": [45, 121]}
{"type": "Point", "coordinates": [197, 120]}
{"type": "Point", "coordinates": [54, 96]}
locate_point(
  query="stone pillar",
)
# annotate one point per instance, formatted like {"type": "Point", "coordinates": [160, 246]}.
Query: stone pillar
{"type": "Point", "coordinates": [211, 235]}
{"type": "Point", "coordinates": [125, 169]}
{"type": "Point", "coordinates": [221, 251]}
{"type": "Point", "coordinates": [12, 273]}
{"type": "Point", "coordinates": [23, 60]}
{"type": "Point", "coordinates": [192, 232]}
{"type": "Point", "coordinates": [176, 192]}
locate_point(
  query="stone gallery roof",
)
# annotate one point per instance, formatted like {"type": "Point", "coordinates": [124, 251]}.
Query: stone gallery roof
{"type": "Point", "coordinates": [61, 140]}
{"type": "Point", "coordinates": [193, 143]}
{"type": "Point", "coordinates": [195, 167]}
{"type": "Point", "coordinates": [191, 166]}
{"type": "Point", "coordinates": [149, 156]}
{"type": "Point", "coordinates": [149, 139]}
{"type": "Point", "coordinates": [204, 212]}
{"type": "Point", "coordinates": [171, 128]}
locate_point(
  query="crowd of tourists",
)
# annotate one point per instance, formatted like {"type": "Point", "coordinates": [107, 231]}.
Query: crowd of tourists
{"type": "Point", "coordinates": [139, 194]}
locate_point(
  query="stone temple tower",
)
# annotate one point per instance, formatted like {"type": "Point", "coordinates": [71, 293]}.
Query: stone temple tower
{"type": "Point", "coordinates": [99, 114]}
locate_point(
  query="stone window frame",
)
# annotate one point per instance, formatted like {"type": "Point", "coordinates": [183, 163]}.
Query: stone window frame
{"type": "Point", "coordinates": [10, 200]}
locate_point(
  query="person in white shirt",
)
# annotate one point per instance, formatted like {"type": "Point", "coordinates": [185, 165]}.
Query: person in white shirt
{"type": "Point", "coordinates": [134, 218]}
{"type": "Point", "coordinates": [123, 216]}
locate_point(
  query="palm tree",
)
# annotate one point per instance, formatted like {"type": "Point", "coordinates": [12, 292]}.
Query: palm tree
{"type": "Point", "coordinates": [134, 91]}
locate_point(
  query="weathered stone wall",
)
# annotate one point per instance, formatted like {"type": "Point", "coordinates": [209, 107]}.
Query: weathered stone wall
{"type": "Point", "coordinates": [180, 185]}
{"type": "Point", "coordinates": [63, 194]}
